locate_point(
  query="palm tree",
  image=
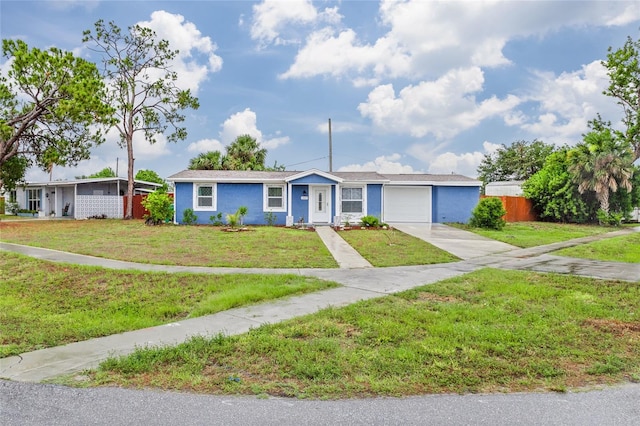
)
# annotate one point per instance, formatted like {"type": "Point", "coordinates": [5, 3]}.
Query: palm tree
{"type": "Point", "coordinates": [245, 153]}
{"type": "Point", "coordinates": [211, 160]}
{"type": "Point", "coordinates": [602, 165]}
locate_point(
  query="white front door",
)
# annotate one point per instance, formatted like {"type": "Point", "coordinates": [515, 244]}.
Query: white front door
{"type": "Point", "coordinates": [320, 209]}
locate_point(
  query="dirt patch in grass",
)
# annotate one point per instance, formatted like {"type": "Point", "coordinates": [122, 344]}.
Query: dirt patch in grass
{"type": "Point", "coordinates": [619, 328]}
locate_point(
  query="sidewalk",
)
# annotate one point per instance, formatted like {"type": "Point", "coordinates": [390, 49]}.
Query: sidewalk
{"type": "Point", "coordinates": [359, 282]}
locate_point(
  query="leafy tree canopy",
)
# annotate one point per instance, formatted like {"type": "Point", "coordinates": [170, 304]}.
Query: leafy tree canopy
{"type": "Point", "coordinates": [107, 172]}
{"type": "Point", "coordinates": [51, 106]}
{"type": "Point", "coordinates": [149, 176]}
{"type": "Point", "coordinates": [623, 68]}
{"type": "Point", "coordinates": [519, 161]}
{"type": "Point", "coordinates": [554, 194]}
{"type": "Point", "coordinates": [12, 172]}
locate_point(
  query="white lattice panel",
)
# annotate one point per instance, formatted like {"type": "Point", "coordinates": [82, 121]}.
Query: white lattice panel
{"type": "Point", "coordinates": [96, 205]}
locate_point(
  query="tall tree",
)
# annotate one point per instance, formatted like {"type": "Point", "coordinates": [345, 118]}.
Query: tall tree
{"type": "Point", "coordinates": [142, 86]}
{"type": "Point", "coordinates": [518, 161]}
{"type": "Point", "coordinates": [601, 164]}
{"type": "Point", "coordinates": [623, 68]}
{"type": "Point", "coordinates": [51, 106]}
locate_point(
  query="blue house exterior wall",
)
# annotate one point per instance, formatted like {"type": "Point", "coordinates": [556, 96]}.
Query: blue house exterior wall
{"type": "Point", "coordinates": [374, 200]}
{"type": "Point", "coordinates": [229, 196]}
{"type": "Point", "coordinates": [183, 199]}
{"type": "Point", "coordinates": [299, 207]}
{"type": "Point", "coordinates": [454, 203]}
{"type": "Point", "coordinates": [233, 195]}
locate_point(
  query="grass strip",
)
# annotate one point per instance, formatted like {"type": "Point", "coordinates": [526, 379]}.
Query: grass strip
{"type": "Point", "coordinates": [532, 234]}
{"type": "Point", "coordinates": [45, 304]}
{"type": "Point", "coordinates": [390, 247]}
{"type": "Point", "coordinates": [625, 248]}
{"type": "Point", "coordinates": [487, 331]}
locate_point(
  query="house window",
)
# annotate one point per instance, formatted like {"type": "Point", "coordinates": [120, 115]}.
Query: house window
{"type": "Point", "coordinates": [274, 198]}
{"type": "Point", "coordinates": [204, 197]}
{"type": "Point", "coordinates": [33, 199]}
{"type": "Point", "coordinates": [352, 200]}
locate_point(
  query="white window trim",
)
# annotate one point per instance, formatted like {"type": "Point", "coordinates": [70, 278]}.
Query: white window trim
{"type": "Point", "coordinates": [214, 194]}
{"type": "Point", "coordinates": [265, 198]}
{"type": "Point", "coordinates": [38, 200]}
{"type": "Point", "coordinates": [364, 202]}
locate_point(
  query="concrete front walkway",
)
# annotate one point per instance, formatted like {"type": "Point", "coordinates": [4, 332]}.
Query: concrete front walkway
{"type": "Point", "coordinates": [342, 252]}
{"type": "Point", "coordinates": [359, 282]}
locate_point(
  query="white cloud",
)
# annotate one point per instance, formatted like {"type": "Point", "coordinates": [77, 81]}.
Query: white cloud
{"type": "Point", "coordinates": [567, 102]}
{"type": "Point", "coordinates": [382, 164]}
{"type": "Point", "coordinates": [465, 163]}
{"type": "Point", "coordinates": [245, 123]}
{"type": "Point", "coordinates": [443, 108]}
{"type": "Point", "coordinates": [426, 38]}
{"type": "Point", "coordinates": [196, 58]}
{"type": "Point", "coordinates": [272, 17]}
{"type": "Point", "coordinates": [206, 145]}
{"type": "Point", "coordinates": [142, 148]}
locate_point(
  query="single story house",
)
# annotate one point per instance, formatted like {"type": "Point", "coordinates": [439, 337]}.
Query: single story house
{"type": "Point", "coordinates": [78, 199]}
{"type": "Point", "coordinates": [317, 197]}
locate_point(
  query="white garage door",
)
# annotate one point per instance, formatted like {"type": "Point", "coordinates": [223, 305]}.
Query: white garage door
{"type": "Point", "coordinates": [407, 204]}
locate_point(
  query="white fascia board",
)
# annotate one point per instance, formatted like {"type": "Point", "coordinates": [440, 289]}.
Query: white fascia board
{"type": "Point", "coordinates": [314, 172]}
{"type": "Point", "coordinates": [228, 180]}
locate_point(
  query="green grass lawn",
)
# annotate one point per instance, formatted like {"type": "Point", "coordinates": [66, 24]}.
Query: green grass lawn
{"type": "Point", "coordinates": [45, 304]}
{"type": "Point", "coordinates": [618, 249]}
{"type": "Point", "coordinates": [532, 234]}
{"type": "Point", "coordinates": [487, 331]}
{"type": "Point", "coordinates": [394, 248]}
{"type": "Point", "coordinates": [131, 240]}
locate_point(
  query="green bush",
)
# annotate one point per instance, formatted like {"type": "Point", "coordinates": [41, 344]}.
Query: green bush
{"type": "Point", "coordinates": [488, 214]}
{"type": "Point", "coordinates": [160, 207]}
{"type": "Point", "coordinates": [216, 220]}
{"type": "Point", "coordinates": [370, 221]}
{"type": "Point", "coordinates": [189, 217]}
{"type": "Point", "coordinates": [609, 219]}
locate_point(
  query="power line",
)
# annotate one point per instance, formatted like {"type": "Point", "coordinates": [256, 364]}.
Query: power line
{"type": "Point", "coordinates": [305, 162]}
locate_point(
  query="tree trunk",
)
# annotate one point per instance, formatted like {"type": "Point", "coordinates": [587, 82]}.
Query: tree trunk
{"type": "Point", "coordinates": [130, 178]}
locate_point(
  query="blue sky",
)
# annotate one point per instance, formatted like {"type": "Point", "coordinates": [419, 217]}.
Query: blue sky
{"type": "Point", "coordinates": [409, 86]}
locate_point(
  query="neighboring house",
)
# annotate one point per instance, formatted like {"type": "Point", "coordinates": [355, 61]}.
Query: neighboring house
{"type": "Point", "coordinates": [78, 199]}
{"type": "Point", "coordinates": [317, 197]}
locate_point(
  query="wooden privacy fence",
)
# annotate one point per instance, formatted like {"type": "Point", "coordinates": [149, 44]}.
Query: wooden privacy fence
{"type": "Point", "coordinates": [519, 209]}
{"type": "Point", "coordinates": [139, 212]}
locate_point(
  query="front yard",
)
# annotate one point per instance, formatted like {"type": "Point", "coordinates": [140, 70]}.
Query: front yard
{"type": "Point", "coordinates": [487, 331]}
{"type": "Point", "coordinates": [259, 247]}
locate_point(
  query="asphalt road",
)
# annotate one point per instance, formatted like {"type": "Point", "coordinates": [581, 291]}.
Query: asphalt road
{"type": "Point", "coordinates": [37, 404]}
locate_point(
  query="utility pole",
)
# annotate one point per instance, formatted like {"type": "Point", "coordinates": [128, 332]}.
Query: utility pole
{"type": "Point", "coordinates": [330, 149]}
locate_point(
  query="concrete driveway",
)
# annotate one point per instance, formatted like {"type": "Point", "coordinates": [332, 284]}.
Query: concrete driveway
{"type": "Point", "coordinates": [464, 244]}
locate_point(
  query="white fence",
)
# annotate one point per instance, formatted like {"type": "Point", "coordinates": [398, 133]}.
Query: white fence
{"type": "Point", "coordinates": [97, 205]}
